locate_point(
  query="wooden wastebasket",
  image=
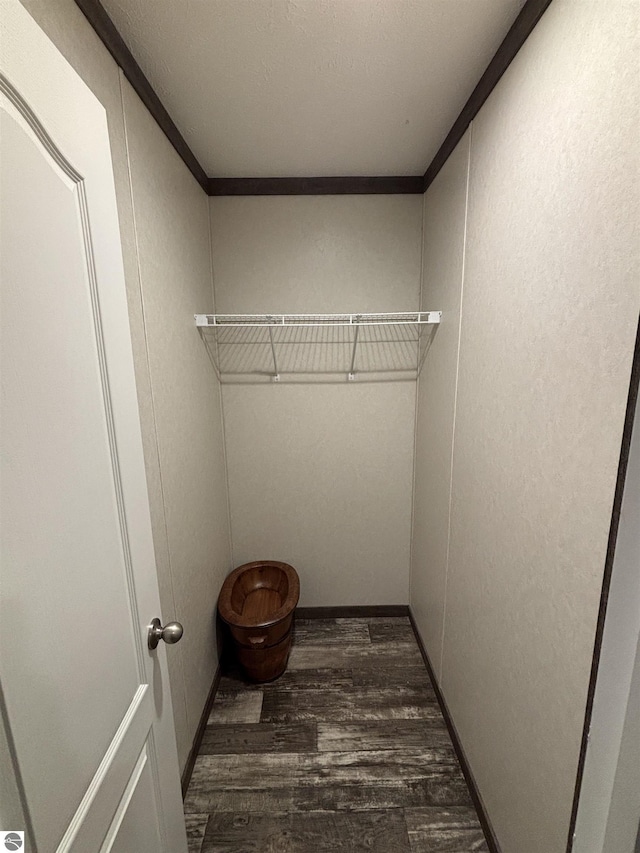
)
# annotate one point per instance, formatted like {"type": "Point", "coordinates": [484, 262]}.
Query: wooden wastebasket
{"type": "Point", "coordinates": [257, 602]}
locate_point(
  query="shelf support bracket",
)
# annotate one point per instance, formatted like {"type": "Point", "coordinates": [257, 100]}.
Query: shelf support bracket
{"type": "Point", "coordinates": [352, 375]}
{"type": "Point", "coordinates": [276, 375]}
{"type": "Point", "coordinates": [430, 333]}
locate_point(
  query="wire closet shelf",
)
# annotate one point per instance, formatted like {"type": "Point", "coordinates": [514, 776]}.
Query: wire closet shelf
{"type": "Point", "coordinates": [318, 347]}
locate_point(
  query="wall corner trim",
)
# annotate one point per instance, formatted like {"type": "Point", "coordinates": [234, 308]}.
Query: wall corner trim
{"type": "Point", "coordinates": [627, 432]}
{"type": "Point", "coordinates": [478, 802]}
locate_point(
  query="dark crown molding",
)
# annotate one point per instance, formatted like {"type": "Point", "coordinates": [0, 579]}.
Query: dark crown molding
{"type": "Point", "coordinates": [315, 186]}
{"type": "Point", "coordinates": [97, 16]}
{"type": "Point", "coordinates": [521, 29]}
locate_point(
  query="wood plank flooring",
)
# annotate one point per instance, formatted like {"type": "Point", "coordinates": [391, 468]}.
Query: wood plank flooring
{"type": "Point", "coordinates": [347, 751]}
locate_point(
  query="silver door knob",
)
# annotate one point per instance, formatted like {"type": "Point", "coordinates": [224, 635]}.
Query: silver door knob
{"type": "Point", "coordinates": [171, 633]}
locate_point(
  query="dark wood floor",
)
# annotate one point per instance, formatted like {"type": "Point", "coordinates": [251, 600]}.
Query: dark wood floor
{"type": "Point", "coordinates": [347, 751]}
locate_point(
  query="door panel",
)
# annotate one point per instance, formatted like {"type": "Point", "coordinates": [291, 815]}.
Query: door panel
{"type": "Point", "coordinates": [59, 509]}
{"type": "Point", "coordinates": [87, 705]}
{"type": "Point", "coordinates": [137, 828]}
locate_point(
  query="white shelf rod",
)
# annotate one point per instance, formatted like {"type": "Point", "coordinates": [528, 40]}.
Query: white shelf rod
{"type": "Point", "coordinates": [417, 318]}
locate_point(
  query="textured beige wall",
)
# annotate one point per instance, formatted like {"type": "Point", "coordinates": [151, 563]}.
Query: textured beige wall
{"type": "Point", "coordinates": [321, 475]}
{"type": "Point", "coordinates": [443, 248]}
{"type": "Point", "coordinates": [172, 229]}
{"type": "Point", "coordinates": [164, 228]}
{"type": "Point", "coordinates": [551, 301]}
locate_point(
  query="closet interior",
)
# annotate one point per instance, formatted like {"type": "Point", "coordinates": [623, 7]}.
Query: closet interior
{"type": "Point", "coordinates": [416, 399]}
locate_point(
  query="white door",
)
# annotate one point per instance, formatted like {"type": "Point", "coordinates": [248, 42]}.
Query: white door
{"type": "Point", "coordinates": [86, 705]}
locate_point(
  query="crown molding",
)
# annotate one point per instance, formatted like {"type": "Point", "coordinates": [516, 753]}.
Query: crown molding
{"type": "Point", "coordinates": [316, 186]}
{"type": "Point", "coordinates": [527, 19]}
{"type": "Point", "coordinates": [97, 16]}
{"type": "Point", "coordinates": [520, 31]}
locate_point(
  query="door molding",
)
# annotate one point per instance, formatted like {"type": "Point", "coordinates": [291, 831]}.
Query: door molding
{"type": "Point", "coordinates": [104, 793]}
{"type": "Point", "coordinates": [632, 399]}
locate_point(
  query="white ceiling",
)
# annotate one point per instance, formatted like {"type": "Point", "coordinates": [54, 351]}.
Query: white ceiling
{"type": "Point", "coordinates": [301, 88]}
